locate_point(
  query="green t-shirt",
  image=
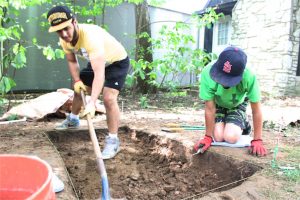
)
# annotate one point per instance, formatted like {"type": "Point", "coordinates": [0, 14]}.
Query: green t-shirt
{"type": "Point", "coordinates": [232, 97]}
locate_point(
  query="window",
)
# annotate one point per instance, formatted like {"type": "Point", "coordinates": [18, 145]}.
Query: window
{"type": "Point", "coordinates": [223, 33]}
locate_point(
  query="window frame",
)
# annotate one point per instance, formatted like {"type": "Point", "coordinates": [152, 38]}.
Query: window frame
{"type": "Point", "coordinates": [216, 47]}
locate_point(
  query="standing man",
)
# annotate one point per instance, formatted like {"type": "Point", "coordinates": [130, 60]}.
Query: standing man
{"type": "Point", "coordinates": [226, 87]}
{"type": "Point", "coordinates": [106, 70]}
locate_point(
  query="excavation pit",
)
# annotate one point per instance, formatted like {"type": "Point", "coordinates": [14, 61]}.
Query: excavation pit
{"type": "Point", "coordinates": [147, 167]}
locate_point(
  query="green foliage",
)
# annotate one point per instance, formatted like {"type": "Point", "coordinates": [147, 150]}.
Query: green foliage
{"type": "Point", "coordinates": [6, 84]}
{"type": "Point", "coordinates": [269, 125]}
{"type": "Point", "coordinates": [13, 46]}
{"type": "Point", "coordinates": [292, 175]}
{"type": "Point", "coordinates": [208, 19]}
{"type": "Point", "coordinates": [177, 94]}
{"type": "Point", "coordinates": [156, 2]}
{"type": "Point", "coordinates": [143, 102]}
{"type": "Point", "coordinates": [13, 56]}
{"type": "Point", "coordinates": [12, 117]}
{"type": "Point", "coordinates": [94, 8]}
{"type": "Point", "coordinates": [176, 55]}
{"type": "Point", "coordinates": [274, 160]}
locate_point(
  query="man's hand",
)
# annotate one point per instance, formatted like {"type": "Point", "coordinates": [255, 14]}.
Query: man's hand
{"type": "Point", "coordinates": [257, 148]}
{"type": "Point", "coordinates": [78, 85]}
{"type": "Point", "coordinates": [90, 108]}
{"type": "Point", "coordinates": [204, 143]}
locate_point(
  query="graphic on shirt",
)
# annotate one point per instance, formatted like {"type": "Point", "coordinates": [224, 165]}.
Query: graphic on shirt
{"type": "Point", "coordinates": [232, 97]}
{"type": "Point", "coordinates": [82, 52]}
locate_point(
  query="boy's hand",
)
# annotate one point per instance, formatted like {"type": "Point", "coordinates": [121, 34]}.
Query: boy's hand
{"type": "Point", "coordinates": [257, 148]}
{"type": "Point", "coordinates": [204, 143]}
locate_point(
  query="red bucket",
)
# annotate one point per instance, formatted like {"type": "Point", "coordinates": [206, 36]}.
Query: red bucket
{"type": "Point", "coordinates": [25, 177]}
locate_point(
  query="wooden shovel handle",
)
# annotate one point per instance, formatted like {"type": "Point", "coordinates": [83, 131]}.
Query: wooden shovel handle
{"type": "Point", "coordinates": [94, 139]}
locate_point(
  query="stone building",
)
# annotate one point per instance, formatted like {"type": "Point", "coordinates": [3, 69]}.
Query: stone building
{"type": "Point", "coordinates": [269, 32]}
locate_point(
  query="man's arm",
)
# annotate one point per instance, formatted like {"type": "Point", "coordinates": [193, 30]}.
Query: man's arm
{"type": "Point", "coordinates": [257, 120]}
{"type": "Point", "coordinates": [210, 110]}
{"type": "Point", "coordinates": [73, 66]}
{"type": "Point", "coordinates": [98, 65]}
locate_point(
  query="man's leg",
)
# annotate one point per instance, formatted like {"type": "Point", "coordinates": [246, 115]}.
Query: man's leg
{"type": "Point", "coordinates": [115, 75]}
{"type": "Point", "coordinates": [72, 120]}
{"type": "Point", "coordinates": [110, 97]}
{"type": "Point", "coordinates": [76, 104]}
{"type": "Point", "coordinates": [77, 101]}
{"type": "Point", "coordinates": [112, 142]}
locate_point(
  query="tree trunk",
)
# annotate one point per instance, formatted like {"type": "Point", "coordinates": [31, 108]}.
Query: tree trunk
{"type": "Point", "coordinates": [142, 44]}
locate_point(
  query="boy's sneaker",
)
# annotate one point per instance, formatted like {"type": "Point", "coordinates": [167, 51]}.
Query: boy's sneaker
{"type": "Point", "coordinates": [111, 147]}
{"type": "Point", "coordinates": [247, 129]}
{"type": "Point", "coordinates": [68, 123]}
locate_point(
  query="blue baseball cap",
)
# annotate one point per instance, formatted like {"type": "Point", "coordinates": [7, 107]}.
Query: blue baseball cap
{"type": "Point", "coordinates": [228, 69]}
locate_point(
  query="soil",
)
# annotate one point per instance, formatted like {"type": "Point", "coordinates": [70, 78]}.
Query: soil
{"type": "Point", "coordinates": [147, 168]}
{"type": "Point", "coordinates": [153, 164]}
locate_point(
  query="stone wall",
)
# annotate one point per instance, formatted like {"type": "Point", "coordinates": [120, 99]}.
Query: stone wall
{"type": "Point", "coordinates": [267, 31]}
{"type": "Point", "coordinates": [295, 38]}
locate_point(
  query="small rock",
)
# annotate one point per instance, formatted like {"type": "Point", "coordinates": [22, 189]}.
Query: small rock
{"type": "Point", "coordinates": [161, 193]}
{"type": "Point", "coordinates": [169, 188]}
{"type": "Point", "coordinates": [134, 175]}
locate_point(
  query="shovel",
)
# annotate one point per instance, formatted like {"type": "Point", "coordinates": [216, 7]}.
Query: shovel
{"type": "Point", "coordinates": [97, 151]}
{"type": "Point", "coordinates": [172, 127]}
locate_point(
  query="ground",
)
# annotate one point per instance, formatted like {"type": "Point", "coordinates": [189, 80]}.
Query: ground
{"type": "Point", "coordinates": [154, 164]}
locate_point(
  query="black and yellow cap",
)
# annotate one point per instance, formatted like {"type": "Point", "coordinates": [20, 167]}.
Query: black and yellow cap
{"type": "Point", "coordinates": [59, 17]}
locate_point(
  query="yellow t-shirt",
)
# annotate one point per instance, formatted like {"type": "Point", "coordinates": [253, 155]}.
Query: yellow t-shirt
{"type": "Point", "coordinates": [94, 41]}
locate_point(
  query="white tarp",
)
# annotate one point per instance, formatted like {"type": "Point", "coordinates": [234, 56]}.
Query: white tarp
{"type": "Point", "coordinates": [49, 103]}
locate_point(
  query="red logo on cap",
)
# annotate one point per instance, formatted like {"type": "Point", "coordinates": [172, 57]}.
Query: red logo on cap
{"type": "Point", "coordinates": [227, 67]}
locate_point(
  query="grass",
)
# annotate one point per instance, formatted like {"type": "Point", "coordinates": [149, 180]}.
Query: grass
{"type": "Point", "coordinates": [293, 160]}
{"type": "Point", "coordinates": [289, 168]}
{"type": "Point", "coordinates": [285, 170]}
{"type": "Point", "coordinates": [270, 194]}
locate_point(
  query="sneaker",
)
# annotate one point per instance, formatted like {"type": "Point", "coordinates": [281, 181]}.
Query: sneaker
{"type": "Point", "coordinates": [68, 124]}
{"type": "Point", "coordinates": [111, 147]}
{"type": "Point", "coordinates": [247, 129]}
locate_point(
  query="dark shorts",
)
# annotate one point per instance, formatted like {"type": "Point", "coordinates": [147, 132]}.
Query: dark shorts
{"type": "Point", "coordinates": [235, 115]}
{"type": "Point", "coordinates": [115, 74]}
